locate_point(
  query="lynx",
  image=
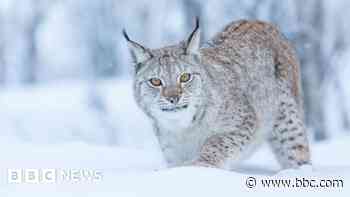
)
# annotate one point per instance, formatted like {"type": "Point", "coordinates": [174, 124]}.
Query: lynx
{"type": "Point", "coordinates": [214, 104]}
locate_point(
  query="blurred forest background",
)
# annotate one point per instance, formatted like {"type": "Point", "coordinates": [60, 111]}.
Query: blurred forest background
{"type": "Point", "coordinates": [78, 43]}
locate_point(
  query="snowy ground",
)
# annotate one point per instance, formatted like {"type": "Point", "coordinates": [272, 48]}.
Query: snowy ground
{"type": "Point", "coordinates": [140, 172]}
{"type": "Point", "coordinates": [53, 128]}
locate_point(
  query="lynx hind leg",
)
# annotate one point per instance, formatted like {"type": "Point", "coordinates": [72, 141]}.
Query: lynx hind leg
{"type": "Point", "coordinates": [288, 139]}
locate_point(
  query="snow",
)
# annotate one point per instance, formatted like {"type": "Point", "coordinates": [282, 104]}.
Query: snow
{"type": "Point", "coordinates": [141, 172]}
{"type": "Point", "coordinates": [39, 131]}
{"type": "Point", "coordinates": [60, 112]}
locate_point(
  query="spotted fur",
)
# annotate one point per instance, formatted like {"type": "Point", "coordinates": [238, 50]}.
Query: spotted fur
{"type": "Point", "coordinates": [244, 89]}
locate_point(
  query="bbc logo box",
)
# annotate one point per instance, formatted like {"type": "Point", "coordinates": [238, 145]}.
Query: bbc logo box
{"type": "Point", "coordinates": [31, 176]}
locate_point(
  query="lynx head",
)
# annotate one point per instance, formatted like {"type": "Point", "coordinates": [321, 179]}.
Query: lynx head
{"type": "Point", "coordinates": [168, 83]}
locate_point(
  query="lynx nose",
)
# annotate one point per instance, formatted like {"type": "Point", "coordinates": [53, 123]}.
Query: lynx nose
{"type": "Point", "coordinates": [173, 99]}
{"type": "Point", "coordinates": [172, 94]}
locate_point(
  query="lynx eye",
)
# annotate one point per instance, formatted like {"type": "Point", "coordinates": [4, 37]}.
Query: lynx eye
{"type": "Point", "coordinates": [155, 82]}
{"type": "Point", "coordinates": [185, 77]}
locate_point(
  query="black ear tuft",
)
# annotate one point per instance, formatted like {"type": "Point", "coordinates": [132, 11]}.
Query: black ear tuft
{"type": "Point", "coordinates": [197, 22]}
{"type": "Point", "coordinates": [126, 35]}
{"type": "Point", "coordinates": [196, 27]}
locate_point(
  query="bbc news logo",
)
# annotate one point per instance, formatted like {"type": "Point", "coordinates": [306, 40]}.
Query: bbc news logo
{"type": "Point", "coordinates": [46, 176]}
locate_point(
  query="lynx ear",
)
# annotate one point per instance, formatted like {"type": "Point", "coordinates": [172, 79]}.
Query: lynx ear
{"type": "Point", "coordinates": [138, 52]}
{"type": "Point", "coordinates": [193, 41]}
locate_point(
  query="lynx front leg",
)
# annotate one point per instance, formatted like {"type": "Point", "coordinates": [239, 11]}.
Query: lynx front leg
{"type": "Point", "coordinates": [289, 139]}
{"type": "Point", "coordinates": [221, 148]}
